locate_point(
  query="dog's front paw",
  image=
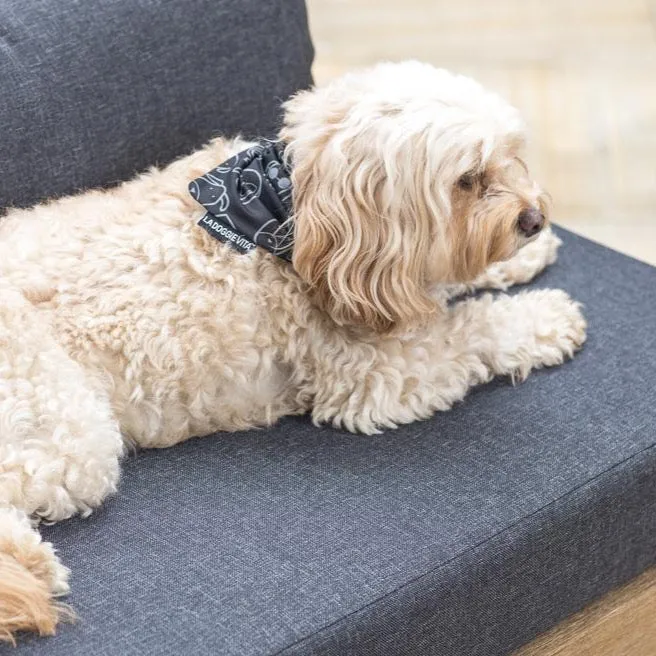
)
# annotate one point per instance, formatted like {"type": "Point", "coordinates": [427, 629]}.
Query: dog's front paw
{"type": "Point", "coordinates": [562, 324]}
{"type": "Point", "coordinates": [558, 327]}
{"type": "Point", "coordinates": [527, 263]}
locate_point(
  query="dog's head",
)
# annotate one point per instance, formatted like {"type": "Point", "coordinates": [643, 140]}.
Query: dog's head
{"type": "Point", "coordinates": [405, 177]}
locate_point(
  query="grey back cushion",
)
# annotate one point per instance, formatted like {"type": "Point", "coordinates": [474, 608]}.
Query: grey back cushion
{"type": "Point", "coordinates": [95, 90]}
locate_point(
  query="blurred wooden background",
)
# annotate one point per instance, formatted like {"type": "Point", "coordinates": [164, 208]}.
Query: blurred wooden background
{"type": "Point", "coordinates": [582, 72]}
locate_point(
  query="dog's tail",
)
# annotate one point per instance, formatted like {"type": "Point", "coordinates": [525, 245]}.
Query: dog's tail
{"type": "Point", "coordinates": [31, 577]}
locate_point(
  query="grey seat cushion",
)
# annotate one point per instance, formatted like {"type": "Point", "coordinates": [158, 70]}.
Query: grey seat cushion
{"type": "Point", "coordinates": [94, 91]}
{"type": "Point", "coordinates": [466, 534]}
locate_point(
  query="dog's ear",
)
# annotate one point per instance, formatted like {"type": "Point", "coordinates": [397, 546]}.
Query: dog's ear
{"type": "Point", "coordinates": [361, 240]}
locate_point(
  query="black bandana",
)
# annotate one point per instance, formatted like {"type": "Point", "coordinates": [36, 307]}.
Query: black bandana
{"type": "Point", "coordinates": [248, 198]}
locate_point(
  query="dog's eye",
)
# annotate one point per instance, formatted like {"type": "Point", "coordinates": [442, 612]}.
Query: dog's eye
{"type": "Point", "coordinates": [467, 181]}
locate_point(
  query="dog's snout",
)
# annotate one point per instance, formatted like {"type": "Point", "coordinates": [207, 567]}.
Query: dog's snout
{"type": "Point", "coordinates": [530, 222]}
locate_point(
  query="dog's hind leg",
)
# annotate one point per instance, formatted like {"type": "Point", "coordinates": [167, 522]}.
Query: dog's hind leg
{"type": "Point", "coordinates": [31, 577]}
{"type": "Point", "coordinates": [59, 455]}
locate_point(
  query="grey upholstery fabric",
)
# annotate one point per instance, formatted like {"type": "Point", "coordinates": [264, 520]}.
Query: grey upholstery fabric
{"type": "Point", "coordinates": [94, 90]}
{"type": "Point", "coordinates": [463, 535]}
{"type": "Point", "coordinates": [466, 534]}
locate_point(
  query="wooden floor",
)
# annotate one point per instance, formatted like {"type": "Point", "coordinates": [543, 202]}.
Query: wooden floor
{"type": "Point", "coordinates": [620, 624]}
{"type": "Point", "coordinates": [583, 72]}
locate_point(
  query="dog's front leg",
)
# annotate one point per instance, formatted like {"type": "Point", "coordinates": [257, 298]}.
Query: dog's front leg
{"type": "Point", "coordinates": [514, 334]}
{"type": "Point", "coordinates": [369, 387]}
{"type": "Point", "coordinates": [525, 265]}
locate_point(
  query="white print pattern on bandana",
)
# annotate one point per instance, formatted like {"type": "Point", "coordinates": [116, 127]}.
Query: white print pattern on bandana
{"type": "Point", "coordinates": [248, 199]}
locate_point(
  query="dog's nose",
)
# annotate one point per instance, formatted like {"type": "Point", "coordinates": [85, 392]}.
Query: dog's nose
{"type": "Point", "coordinates": [530, 222]}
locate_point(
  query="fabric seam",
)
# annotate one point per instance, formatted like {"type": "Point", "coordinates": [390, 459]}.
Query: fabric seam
{"type": "Point", "coordinates": [463, 553]}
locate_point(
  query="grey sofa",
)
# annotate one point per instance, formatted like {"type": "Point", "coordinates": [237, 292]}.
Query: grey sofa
{"type": "Point", "coordinates": [467, 534]}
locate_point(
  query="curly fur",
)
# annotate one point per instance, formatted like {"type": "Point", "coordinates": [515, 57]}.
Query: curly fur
{"type": "Point", "coordinates": [122, 321]}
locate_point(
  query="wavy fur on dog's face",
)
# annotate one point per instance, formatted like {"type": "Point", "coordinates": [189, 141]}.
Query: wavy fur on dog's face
{"type": "Point", "coordinates": [405, 177]}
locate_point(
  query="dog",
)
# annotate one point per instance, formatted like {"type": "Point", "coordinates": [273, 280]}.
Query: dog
{"type": "Point", "coordinates": [126, 320]}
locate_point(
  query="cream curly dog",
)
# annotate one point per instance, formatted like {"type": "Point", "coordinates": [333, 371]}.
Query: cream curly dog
{"type": "Point", "coordinates": [122, 320]}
